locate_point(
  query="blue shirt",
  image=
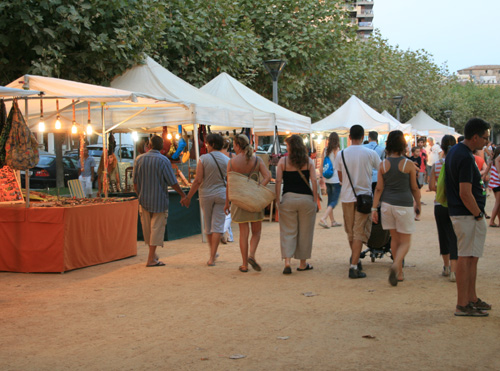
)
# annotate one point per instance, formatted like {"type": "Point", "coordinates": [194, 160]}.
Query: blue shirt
{"type": "Point", "coordinates": [153, 174]}
{"type": "Point", "coordinates": [380, 152]}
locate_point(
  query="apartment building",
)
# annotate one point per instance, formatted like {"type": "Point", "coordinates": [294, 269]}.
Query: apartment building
{"type": "Point", "coordinates": [483, 74]}
{"type": "Point", "coordinates": [361, 14]}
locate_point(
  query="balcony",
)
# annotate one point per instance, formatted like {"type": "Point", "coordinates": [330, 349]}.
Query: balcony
{"type": "Point", "coordinates": [365, 26]}
{"type": "Point", "coordinates": [365, 14]}
{"type": "Point", "coordinates": [364, 2]}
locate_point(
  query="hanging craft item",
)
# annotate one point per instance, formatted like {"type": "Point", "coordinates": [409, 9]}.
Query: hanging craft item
{"type": "Point", "coordinates": [10, 190]}
{"type": "Point", "coordinates": [21, 147]}
{"type": "Point", "coordinates": [4, 132]}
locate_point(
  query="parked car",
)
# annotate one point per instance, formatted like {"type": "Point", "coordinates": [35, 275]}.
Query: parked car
{"type": "Point", "coordinates": [268, 148]}
{"type": "Point", "coordinates": [43, 175]}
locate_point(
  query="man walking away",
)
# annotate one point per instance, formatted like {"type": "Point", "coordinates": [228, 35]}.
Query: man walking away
{"type": "Point", "coordinates": [152, 175]}
{"type": "Point", "coordinates": [373, 144]}
{"type": "Point", "coordinates": [466, 200]}
{"type": "Point", "coordinates": [360, 162]}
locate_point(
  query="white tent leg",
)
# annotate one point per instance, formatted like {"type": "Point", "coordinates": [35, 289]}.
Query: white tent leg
{"type": "Point", "coordinates": [197, 150]}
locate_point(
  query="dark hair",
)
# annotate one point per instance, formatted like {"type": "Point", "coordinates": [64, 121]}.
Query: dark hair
{"type": "Point", "coordinates": [298, 151]}
{"type": "Point", "coordinates": [333, 142]}
{"type": "Point", "coordinates": [460, 139]}
{"type": "Point", "coordinates": [475, 126]}
{"type": "Point", "coordinates": [356, 132]}
{"type": "Point", "coordinates": [447, 142]}
{"type": "Point", "coordinates": [156, 142]}
{"type": "Point", "coordinates": [373, 135]}
{"type": "Point", "coordinates": [396, 142]}
{"type": "Point", "coordinates": [215, 141]}
{"type": "Point", "coordinates": [413, 149]}
{"type": "Point", "coordinates": [420, 140]}
{"type": "Point", "coordinates": [496, 153]}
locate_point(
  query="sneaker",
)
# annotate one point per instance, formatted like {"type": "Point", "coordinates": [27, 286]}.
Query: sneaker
{"type": "Point", "coordinates": [356, 273]}
{"type": "Point", "coordinates": [446, 271]}
{"type": "Point", "coordinates": [469, 311]}
{"type": "Point", "coordinates": [453, 278]}
{"type": "Point", "coordinates": [360, 266]}
{"type": "Point", "coordinates": [480, 305]}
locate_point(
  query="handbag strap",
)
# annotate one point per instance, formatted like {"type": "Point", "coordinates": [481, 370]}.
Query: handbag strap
{"type": "Point", "coordinates": [218, 167]}
{"type": "Point", "coordinates": [348, 175]}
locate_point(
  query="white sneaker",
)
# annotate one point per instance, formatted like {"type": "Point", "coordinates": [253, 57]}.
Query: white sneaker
{"type": "Point", "coordinates": [446, 271]}
{"type": "Point", "coordinates": [452, 277]}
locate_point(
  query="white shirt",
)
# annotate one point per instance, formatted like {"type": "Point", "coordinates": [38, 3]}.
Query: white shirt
{"type": "Point", "coordinates": [433, 153]}
{"type": "Point", "coordinates": [335, 178]}
{"type": "Point", "coordinates": [360, 162]}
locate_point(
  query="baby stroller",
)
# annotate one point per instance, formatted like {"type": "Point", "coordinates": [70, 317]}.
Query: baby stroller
{"type": "Point", "coordinates": [379, 242]}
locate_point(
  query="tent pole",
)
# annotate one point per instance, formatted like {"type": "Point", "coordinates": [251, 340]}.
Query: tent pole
{"type": "Point", "coordinates": [27, 172]}
{"type": "Point", "coordinates": [104, 155]}
{"type": "Point", "coordinates": [197, 150]}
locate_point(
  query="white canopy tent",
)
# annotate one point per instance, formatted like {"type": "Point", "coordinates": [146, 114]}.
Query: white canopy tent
{"type": "Point", "coordinates": [353, 112]}
{"type": "Point", "coordinates": [205, 109]}
{"type": "Point", "coordinates": [423, 123]}
{"type": "Point", "coordinates": [109, 106]}
{"type": "Point", "coordinates": [267, 115]}
{"type": "Point", "coordinates": [14, 92]}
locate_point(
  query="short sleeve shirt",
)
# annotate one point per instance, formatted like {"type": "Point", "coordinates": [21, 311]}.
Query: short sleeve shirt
{"type": "Point", "coordinates": [88, 165]}
{"type": "Point", "coordinates": [153, 174]}
{"type": "Point", "coordinates": [460, 167]}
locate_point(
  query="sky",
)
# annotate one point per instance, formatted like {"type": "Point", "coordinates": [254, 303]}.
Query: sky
{"type": "Point", "coordinates": [460, 33]}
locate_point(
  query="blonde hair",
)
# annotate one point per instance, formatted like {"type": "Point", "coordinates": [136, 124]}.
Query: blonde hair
{"type": "Point", "coordinates": [244, 144]}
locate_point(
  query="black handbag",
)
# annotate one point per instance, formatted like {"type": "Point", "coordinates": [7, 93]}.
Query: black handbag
{"type": "Point", "coordinates": [364, 203]}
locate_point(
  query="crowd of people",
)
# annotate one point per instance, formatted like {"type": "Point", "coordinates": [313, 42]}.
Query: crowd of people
{"type": "Point", "coordinates": [373, 182]}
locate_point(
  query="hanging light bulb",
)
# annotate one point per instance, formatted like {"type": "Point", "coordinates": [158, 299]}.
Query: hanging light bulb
{"type": "Point", "coordinates": [41, 124]}
{"type": "Point", "coordinates": [287, 132]}
{"type": "Point", "coordinates": [89, 129]}
{"type": "Point", "coordinates": [177, 136]}
{"type": "Point", "coordinates": [58, 121]}
{"type": "Point", "coordinates": [169, 136]}
{"type": "Point", "coordinates": [135, 136]}
{"type": "Point", "coordinates": [73, 127]}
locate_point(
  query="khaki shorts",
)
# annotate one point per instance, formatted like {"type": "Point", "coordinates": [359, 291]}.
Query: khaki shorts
{"type": "Point", "coordinates": [153, 226]}
{"type": "Point", "coordinates": [400, 218]}
{"type": "Point", "coordinates": [358, 226]}
{"type": "Point", "coordinates": [471, 235]}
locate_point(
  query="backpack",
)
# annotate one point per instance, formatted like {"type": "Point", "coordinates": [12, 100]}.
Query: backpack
{"type": "Point", "coordinates": [441, 188]}
{"type": "Point", "coordinates": [327, 168]}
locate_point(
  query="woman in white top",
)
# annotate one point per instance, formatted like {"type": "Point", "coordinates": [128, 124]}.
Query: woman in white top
{"type": "Point", "coordinates": [333, 185]}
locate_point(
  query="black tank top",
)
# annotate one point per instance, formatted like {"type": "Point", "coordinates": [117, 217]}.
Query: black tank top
{"type": "Point", "coordinates": [293, 182]}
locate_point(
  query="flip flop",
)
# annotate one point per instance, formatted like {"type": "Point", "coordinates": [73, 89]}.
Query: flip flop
{"type": "Point", "coordinates": [336, 224]}
{"type": "Point", "coordinates": [254, 264]}
{"type": "Point", "coordinates": [243, 269]}
{"type": "Point", "coordinates": [323, 224]}
{"type": "Point", "coordinates": [308, 267]}
{"type": "Point", "coordinates": [493, 225]}
{"type": "Point", "coordinates": [287, 270]}
{"type": "Point", "coordinates": [211, 265]}
{"type": "Point", "coordinates": [158, 264]}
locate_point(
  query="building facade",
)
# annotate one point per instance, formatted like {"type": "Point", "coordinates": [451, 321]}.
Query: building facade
{"type": "Point", "coordinates": [483, 74]}
{"type": "Point", "coordinates": [361, 14]}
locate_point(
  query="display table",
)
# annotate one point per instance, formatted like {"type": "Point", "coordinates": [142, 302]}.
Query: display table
{"type": "Point", "coordinates": [58, 239]}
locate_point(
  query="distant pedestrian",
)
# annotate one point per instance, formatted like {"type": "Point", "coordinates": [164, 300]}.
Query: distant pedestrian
{"type": "Point", "coordinates": [446, 234]}
{"type": "Point", "coordinates": [358, 166]}
{"type": "Point", "coordinates": [380, 149]}
{"type": "Point", "coordinates": [396, 189]}
{"type": "Point", "coordinates": [433, 153]}
{"type": "Point", "coordinates": [333, 183]}
{"type": "Point", "coordinates": [494, 185]}
{"type": "Point", "coordinates": [466, 200]}
{"type": "Point", "coordinates": [88, 175]}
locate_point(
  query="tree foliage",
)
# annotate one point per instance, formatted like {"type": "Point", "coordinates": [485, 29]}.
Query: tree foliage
{"type": "Point", "coordinates": [83, 40]}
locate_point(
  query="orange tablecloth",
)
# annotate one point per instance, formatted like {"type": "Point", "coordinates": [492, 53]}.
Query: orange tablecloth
{"type": "Point", "coordinates": [59, 239]}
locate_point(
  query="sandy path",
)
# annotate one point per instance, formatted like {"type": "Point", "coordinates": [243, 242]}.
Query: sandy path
{"type": "Point", "coordinates": [122, 316]}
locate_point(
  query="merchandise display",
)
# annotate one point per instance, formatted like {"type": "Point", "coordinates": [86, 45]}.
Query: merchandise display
{"type": "Point", "coordinates": [10, 190]}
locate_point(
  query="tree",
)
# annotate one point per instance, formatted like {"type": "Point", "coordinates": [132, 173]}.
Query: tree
{"type": "Point", "coordinates": [83, 40]}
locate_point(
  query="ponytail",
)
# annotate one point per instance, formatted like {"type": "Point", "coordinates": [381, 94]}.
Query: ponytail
{"type": "Point", "coordinates": [245, 146]}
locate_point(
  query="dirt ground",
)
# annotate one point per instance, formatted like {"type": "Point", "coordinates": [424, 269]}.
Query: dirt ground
{"type": "Point", "coordinates": [187, 316]}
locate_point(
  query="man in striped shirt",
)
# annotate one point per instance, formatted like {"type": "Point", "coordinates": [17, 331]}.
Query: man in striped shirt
{"type": "Point", "coordinates": [152, 175]}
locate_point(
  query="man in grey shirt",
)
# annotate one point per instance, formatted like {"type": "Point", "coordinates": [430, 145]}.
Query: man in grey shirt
{"type": "Point", "coordinates": [152, 175]}
{"type": "Point", "coordinates": [87, 176]}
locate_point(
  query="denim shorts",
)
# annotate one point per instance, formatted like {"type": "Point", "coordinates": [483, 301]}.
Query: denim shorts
{"type": "Point", "coordinates": [333, 192]}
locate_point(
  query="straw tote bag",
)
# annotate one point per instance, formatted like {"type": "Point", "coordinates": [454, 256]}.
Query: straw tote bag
{"type": "Point", "coordinates": [248, 194]}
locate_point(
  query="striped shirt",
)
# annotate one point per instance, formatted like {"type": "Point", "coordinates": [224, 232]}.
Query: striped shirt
{"type": "Point", "coordinates": [153, 174]}
{"type": "Point", "coordinates": [494, 179]}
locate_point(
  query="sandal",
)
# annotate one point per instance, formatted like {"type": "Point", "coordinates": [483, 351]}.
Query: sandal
{"type": "Point", "coordinates": [287, 270]}
{"type": "Point", "coordinates": [469, 311]}
{"type": "Point", "coordinates": [336, 224]}
{"type": "Point", "coordinates": [493, 225]}
{"type": "Point", "coordinates": [308, 267]}
{"type": "Point", "coordinates": [243, 269]}
{"type": "Point", "coordinates": [323, 224]}
{"type": "Point", "coordinates": [254, 264]}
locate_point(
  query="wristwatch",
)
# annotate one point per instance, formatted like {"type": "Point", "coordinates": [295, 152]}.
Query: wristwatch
{"type": "Point", "coordinates": [479, 216]}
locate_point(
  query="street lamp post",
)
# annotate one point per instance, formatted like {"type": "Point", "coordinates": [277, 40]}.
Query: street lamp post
{"type": "Point", "coordinates": [448, 114]}
{"type": "Point", "coordinates": [274, 67]}
{"type": "Point", "coordinates": [398, 100]}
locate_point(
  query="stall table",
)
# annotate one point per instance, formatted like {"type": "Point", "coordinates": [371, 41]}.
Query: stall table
{"type": "Point", "coordinates": [59, 239]}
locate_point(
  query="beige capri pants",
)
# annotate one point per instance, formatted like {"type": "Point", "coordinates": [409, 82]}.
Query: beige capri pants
{"type": "Point", "coordinates": [297, 217]}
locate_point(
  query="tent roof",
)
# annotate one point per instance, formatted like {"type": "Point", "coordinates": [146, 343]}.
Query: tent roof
{"type": "Point", "coordinates": [423, 122]}
{"type": "Point", "coordinates": [353, 112]}
{"type": "Point", "coordinates": [14, 92]}
{"type": "Point", "coordinates": [267, 114]}
{"type": "Point", "coordinates": [396, 125]}
{"type": "Point", "coordinates": [152, 78]}
{"type": "Point", "coordinates": [119, 104]}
